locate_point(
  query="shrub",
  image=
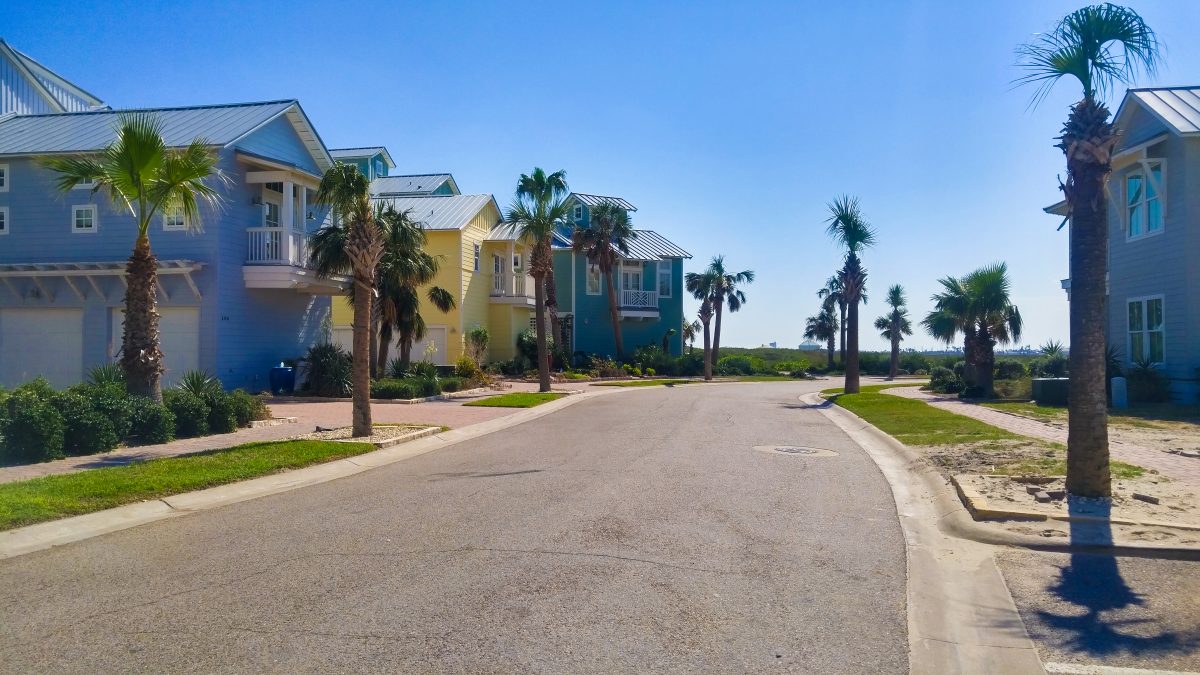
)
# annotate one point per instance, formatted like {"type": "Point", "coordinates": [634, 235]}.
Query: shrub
{"type": "Point", "coordinates": [422, 369]}
{"type": "Point", "coordinates": [1014, 389]}
{"type": "Point", "coordinates": [1008, 369]}
{"type": "Point", "coordinates": [921, 372]}
{"type": "Point", "coordinates": [650, 372]}
{"type": "Point", "coordinates": [190, 411]}
{"type": "Point", "coordinates": [691, 364]}
{"type": "Point", "coordinates": [248, 408]}
{"type": "Point", "coordinates": [108, 373]}
{"type": "Point", "coordinates": [393, 389]}
{"type": "Point", "coordinates": [635, 371]}
{"type": "Point", "coordinates": [793, 367]}
{"type": "Point", "coordinates": [33, 429]}
{"type": "Point", "coordinates": [150, 422]}
{"type": "Point", "coordinates": [735, 365]}
{"type": "Point", "coordinates": [222, 413]}
{"type": "Point", "coordinates": [1054, 365]}
{"type": "Point", "coordinates": [945, 381]}
{"type": "Point", "coordinates": [38, 387]}
{"type": "Point", "coordinates": [466, 368]}
{"type": "Point", "coordinates": [570, 375]}
{"type": "Point", "coordinates": [1147, 384]}
{"type": "Point", "coordinates": [452, 384]}
{"type": "Point", "coordinates": [111, 401]}
{"type": "Point", "coordinates": [329, 370]}
{"type": "Point", "coordinates": [426, 386]}
{"type": "Point", "coordinates": [477, 343]}
{"type": "Point", "coordinates": [85, 430]}
{"type": "Point", "coordinates": [527, 344]}
{"type": "Point", "coordinates": [200, 384]}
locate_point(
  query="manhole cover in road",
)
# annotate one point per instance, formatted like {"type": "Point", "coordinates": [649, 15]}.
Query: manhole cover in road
{"type": "Point", "coordinates": [796, 450]}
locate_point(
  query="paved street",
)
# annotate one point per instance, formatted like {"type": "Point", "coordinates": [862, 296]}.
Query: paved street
{"type": "Point", "coordinates": [638, 531]}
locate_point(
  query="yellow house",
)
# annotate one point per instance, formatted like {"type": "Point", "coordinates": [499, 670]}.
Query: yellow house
{"type": "Point", "coordinates": [482, 266]}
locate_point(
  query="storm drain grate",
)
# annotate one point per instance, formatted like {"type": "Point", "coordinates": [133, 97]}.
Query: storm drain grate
{"type": "Point", "coordinates": [796, 450]}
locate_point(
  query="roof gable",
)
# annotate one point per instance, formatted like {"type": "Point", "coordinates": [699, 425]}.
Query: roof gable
{"type": "Point", "coordinates": [28, 87]}
{"type": "Point", "coordinates": [363, 153]}
{"type": "Point", "coordinates": [597, 200]}
{"type": "Point", "coordinates": [1177, 108]}
{"type": "Point", "coordinates": [414, 185]}
{"type": "Point", "coordinates": [443, 212]}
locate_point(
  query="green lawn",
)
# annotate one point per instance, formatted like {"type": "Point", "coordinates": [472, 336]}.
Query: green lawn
{"type": "Point", "coordinates": [767, 378]}
{"type": "Point", "coordinates": [642, 383]}
{"type": "Point", "coordinates": [516, 400]}
{"type": "Point", "coordinates": [913, 422]}
{"type": "Point", "coordinates": [872, 388]}
{"type": "Point", "coordinates": [1144, 416]}
{"type": "Point", "coordinates": [1046, 413]}
{"type": "Point", "coordinates": [52, 497]}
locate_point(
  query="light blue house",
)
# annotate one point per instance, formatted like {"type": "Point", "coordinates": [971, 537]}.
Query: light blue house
{"type": "Point", "coordinates": [649, 283]}
{"type": "Point", "coordinates": [235, 297]}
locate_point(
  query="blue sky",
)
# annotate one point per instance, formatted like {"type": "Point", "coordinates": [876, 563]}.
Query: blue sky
{"type": "Point", "coordinates": [729, 125]}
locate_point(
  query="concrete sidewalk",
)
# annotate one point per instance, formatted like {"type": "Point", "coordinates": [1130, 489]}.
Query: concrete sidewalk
{"type": "Point", "coordinates": [1181, 469]}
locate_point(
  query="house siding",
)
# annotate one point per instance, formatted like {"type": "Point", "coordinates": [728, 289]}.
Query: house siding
{"type": "Point", "coordinates": [593, 322]}
{"type": "Point", "coordinates": [278, 140]}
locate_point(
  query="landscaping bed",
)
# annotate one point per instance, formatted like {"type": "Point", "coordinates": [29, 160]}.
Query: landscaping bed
{"type": "Point", "coordinates": [52, 497]}
{"type": "Point", "coordinates": [516, 400]}
{"type": "Point", "coordinates": [380, 433]}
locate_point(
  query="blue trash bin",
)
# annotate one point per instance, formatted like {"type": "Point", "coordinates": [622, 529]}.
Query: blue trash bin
{"type": "Point", "coordinates": [282, 379]}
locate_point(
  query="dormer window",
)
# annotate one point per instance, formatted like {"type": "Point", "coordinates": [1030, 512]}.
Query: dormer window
{"type": "Point", "coordinates": [1143, 200]}
{"type": "Point", "coordinates": [578, 212]}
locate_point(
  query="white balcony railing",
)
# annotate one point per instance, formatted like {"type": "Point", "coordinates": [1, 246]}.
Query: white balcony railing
{"type": "Point", "coordinates": [276, 246]}
{"type": "Point", "coordinates": [512, 285]}
{"type": "Point", "coordinates": [639, 299]}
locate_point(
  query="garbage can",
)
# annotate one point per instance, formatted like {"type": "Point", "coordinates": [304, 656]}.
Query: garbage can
{"type": "Point", "coordinates": [282, 379]}
{"type": "Point", "coordinates": [1050, 390]}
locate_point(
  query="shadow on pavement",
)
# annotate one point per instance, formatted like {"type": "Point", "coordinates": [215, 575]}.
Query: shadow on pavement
{"type": "Point", "coordinates": [1093, 584]}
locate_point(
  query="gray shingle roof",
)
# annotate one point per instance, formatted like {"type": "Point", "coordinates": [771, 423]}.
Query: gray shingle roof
{"type": "Point", "coordinates": [437, 212]}
{"type": "Point", "coordinates": [1177, 107]}
{"type": "Point", "coordinates": [597, 200]}
{"type": "Point", "coordinates": [419, 184]}
{"type": "Point", "coordinates": [91, 131]}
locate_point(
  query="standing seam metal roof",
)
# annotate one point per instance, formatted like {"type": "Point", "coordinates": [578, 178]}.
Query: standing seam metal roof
{"type": "Point", "coordinates": [647, 245]}
{"type": "Point", "coordinates": [92, 131]}
{"type": "Point", "coordinates": [597, 200]}
{"type": "Point", "coordinates": [438, 212]}
{"type": "Point", "coordinates": [1178, 107]}
{"type": "Point", "coordinates": [370, 151]}
{"type": "Point", "coordinates": [421, 184]}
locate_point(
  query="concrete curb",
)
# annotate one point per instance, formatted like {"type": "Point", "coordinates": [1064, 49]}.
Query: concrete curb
{"type": "Point", "coordinates": [77, 528]}
{"type": "Point", "coordinates": [273, 422]}
{"type": "Point", "coordinates": [961, 616]}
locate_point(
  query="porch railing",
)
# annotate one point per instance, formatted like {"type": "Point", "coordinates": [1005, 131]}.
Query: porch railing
{"type": "Point", "coordinates": [639, 299]}
{"type": "Point", "coordinates": [276, 246]}
{"type": "Point", "coordinates": [512, 285]}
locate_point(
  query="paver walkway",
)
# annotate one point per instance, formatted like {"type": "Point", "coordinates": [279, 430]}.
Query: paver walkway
{"type": "Point", "coordinates": [1182, 469]}
{"type": "Point", "coordinates": [451, 413]}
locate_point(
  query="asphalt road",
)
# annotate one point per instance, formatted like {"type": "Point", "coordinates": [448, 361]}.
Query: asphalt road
{"type": "Point", "coordinates": [638, 531]}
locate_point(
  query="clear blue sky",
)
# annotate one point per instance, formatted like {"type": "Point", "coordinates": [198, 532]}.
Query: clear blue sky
{"type": "Point", "coordinates": [729, 125]}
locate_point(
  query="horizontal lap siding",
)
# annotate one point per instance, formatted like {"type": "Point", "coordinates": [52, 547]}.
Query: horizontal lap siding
{"type": "Point", "coordinates": [17, 93]}
{"type": "Point", "coordinates": [278, 140]}
{"type": "Point", "coordinates": [475, 286]}
{"type": "Point", "coordinates": [593, 322]}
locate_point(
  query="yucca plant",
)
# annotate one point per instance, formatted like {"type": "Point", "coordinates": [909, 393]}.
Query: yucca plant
{"type": "Point", "coordinates": [106, 374]}
{"type": "Point", "coordinates": [200, 384]}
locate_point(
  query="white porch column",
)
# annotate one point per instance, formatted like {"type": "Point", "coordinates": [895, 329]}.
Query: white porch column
{"type": "Point", "coordinates": [302, 223]}
{"type": "Point", "coordinates": [510, 274]}
{"type": "Point", "coordinates": [287, 215]}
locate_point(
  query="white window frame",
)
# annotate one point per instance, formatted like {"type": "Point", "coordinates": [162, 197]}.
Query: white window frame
{"type": "Point", "coordinates": [1145, 331]}
{"type": "Point", "coordinates": [516, 262]}
{"type": "Point", "coordinates": [661, 267]}
{"type": "Point", "coordinates": [1143, 170]}
{"type": "Point", "coordinates": [578, 212]}
{"type": "Point", "coordinates": [7, 177]}
{"type": "Point", "coordinates": [478, 251]}
{"type": "Point", "coordinates": [81, 186]}
{"type": "Point", "coordinates": [75, 209]}
{"type": "Point", "coordinates": [587, 277]}
{"type": "Point", "coordinates": [182, 226]}
{"type": "Point", "coordinates": [5, 220]}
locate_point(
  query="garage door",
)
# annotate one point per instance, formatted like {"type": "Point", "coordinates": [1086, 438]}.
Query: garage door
{"type": "Point", "coordinates": [436, 336]}
{"type": "Point", "coordinates": [45, 342]}
{"type": "Point", "coordinates": [178, 336]}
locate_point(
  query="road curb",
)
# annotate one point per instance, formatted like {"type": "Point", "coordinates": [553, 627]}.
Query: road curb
{"type": "Point", "coordinates": [53, 533]}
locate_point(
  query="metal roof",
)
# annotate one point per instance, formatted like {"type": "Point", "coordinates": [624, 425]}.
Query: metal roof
{"type": "Point", "coordinates": [346, 153]}
{"type": "Point", "coordinates": [505, 231]}
{"type": "Point", "coordinates": [417, 184]}
{"type": "Point", "coordinates": [441, 212]}
{"type": "Point", "coordinates": [1177, 107]}
{"type": "Point", "coordinates": [650, 245]}
{"type": "Point", "coordinates": [92, 131]}
{"type": "Point", "coordinates": [43, 72]}
{"type": "Point", "coordinates": [597, 200]}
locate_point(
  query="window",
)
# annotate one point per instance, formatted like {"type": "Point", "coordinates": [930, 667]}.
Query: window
{"type": "Point", "coordinates": [1146, 330]}
{"type": "Point", "coordinates": [1143, 203]}
{"type": "Point", "coordinates": [3, 178]}
{"type": "Point", "coordinates": [593, 280]}
{"type": "Point", "coordinates": [664, 279]}
{"type": "Point", "coordinates": [476, 257]}
{"type": "Point", "coordinates": [173, 219]}
{"type": "Point", "coordinates": [578, 212]}
{"type": "Point", "coordinates": [516, 261]}
{"type": "Point", "coordinates": [270, 214]}
{"type": "Point", "coordinates": [3, 220]}
{"type": "Point", "coordinates": [83, 218]}
{"type": "Point", "coordinates": [82, 185]}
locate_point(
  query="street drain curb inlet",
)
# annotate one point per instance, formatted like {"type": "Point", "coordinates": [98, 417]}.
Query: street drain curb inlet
{"type": "Point", "coordinates": [795, 451]}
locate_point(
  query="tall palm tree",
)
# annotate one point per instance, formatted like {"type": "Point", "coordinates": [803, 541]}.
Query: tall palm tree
{"type": "Point", "coordinates": [831, 293]}
{"type": "Point", "coordinates": [403, 269]}
{"type": "Point", "coordinates": [1100, 46]}
{"type": "Point", "coordinates": [849, 228]}
{"type": "Point", "coordinates": [978, 307]}
{"type": "Point", "coordinates": [603, 242]}
{"type": "Point", "coordinates": [823, 326]}
{"type": "Point", "coordinates": [140, 174]}
{"type": "Point", "coordinates": [690, 330]}
{"type": "Point", "coordinates": [726, 292]}
{"type": "Point", "coordinates": [538, 183]}
{"type": "Point", "coordinates": [702, 286]}
{"type": "Point", "coordinates": [894, 325]}
{"type": "Point", "coordinates": [346, 191]}
{"type": "Point", "coordinates": [539, 207]}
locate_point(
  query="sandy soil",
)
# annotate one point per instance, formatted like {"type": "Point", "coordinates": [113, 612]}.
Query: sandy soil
{"type": "Point", "coordinates": [382, 432]}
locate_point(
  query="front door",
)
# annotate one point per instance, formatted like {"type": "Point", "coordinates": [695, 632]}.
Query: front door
{"type": "Point", "coordinates": [498, 273]}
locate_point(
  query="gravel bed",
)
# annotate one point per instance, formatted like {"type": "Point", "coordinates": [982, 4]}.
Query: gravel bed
{"type": "Point", "coordinates": [382, 432]}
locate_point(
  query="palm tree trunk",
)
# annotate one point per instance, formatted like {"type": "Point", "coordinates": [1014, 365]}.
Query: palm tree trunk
{"type": "Point", "coordinates": [141, 356]}
{"type": "Point", "coordinates": [829, 348]}
{"type": "Point", "coordinates": [376, 312]}
{"type": "Point", "coordinates": [1087, 142]}
{"type": "Point", "coordinates": [385, 340]}
{"type": "Point", "coordinates": [851, 386]}
{"type": "Point", "coordinates": [708, 369]}
{"type": "Point", "coordinates": [539, 292]}
{"type": "Point", "coordinates": [614, 314]}
{"type": "Point", "coordinates": [716, 346]}
{"type": "Point", "coordinates": [895, 369]}
{"type": "Point", "coordinates": [406, 353]}
{"type": "Point", "coordinates": [552, 309]}
{"type": "Point", "coordinates": [362, 367]}
{"type": "Point", "coordinates": [842, 332]}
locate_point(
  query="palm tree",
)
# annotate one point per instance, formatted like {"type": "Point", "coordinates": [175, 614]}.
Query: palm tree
{"type": "Point", "coordinates": [848, 227]}
{"type": "Point", "coordinates": [603, 242]}
{"type": "Point", "coordinates": [405, 267]}
{"type": "Point", "coordinates": [536, 184]}
{"type": "Point", "coordinates": [702, 286]}
{"type": "Point", "coordinates": [831, 293]}
{"type": "Point", "coordinates": [140, 174]}
{"type": "Point", "coordinates": [540, 207]}
{"type": "Point", "coordinates": [690, 329]}
{"type": "Point", "coordinates": [978, 307]}
{"type": "Point", "coordinates": [894, 325]}
{"type": "Point", "coordinates": [346, 192]}
{"type": "Point", "coordinates": [1081, 46]}
{"type": "Point", "coordinates": [823, 326]}
{"type": "Point", "coordinates": [726, 292]}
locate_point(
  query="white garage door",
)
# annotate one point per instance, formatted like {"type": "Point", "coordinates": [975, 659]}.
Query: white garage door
{"type": "Point", "coordinates": [178, 335]}
{"type": "Point", "coordinates": [45, 342]}
{"type": "Point", "coordinates": [435, 335]}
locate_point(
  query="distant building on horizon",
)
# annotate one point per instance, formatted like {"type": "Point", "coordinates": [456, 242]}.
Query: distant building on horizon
{"type": "Point", "coordinates": [809, 346]}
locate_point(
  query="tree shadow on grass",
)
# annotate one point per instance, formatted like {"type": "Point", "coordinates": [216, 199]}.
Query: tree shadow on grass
{"type": "Point", "coordinates": [1093, 584]}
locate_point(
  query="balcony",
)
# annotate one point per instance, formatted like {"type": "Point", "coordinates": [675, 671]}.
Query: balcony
{"type": "Point", "coordinates": [637, 304]}
{"type": "Point", "coordinates": [276, 246]}
{"type": "Point", "coordinates": [512, 289]}
{"type": "Point", "coordinates": [277, 257]}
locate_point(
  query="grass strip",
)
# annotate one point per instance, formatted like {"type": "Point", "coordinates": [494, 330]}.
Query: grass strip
{"type": "Point", "coordinates": [52, 497]}
{"type": "Point", "coordinates": [642, 383]}
{"type": "Point", "coordinates": [914, 422]}
{"type": "Point", "coordinates": [871, 388]}
{"type": "Point", "coordinates": [520, 399]}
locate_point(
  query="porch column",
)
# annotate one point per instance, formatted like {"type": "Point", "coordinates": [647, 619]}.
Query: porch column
{"type": "Point", "coordinates": [303, 221]}
{"type": "Point", "coordinates": [287, 215]}
{"type": "Point", "coordinates": [510, 274]}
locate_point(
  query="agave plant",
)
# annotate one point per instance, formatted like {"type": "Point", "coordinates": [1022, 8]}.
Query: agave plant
{"type": "Point", "coordinates": [200, 384]}
{"type": "Point", "coordinates": [106, 374]}
{"type": "Point", "coordinates": [1052, 349]}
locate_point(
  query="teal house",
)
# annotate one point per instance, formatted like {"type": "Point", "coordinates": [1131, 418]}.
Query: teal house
{"type": "Point", "coordinates": [649, 286]}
